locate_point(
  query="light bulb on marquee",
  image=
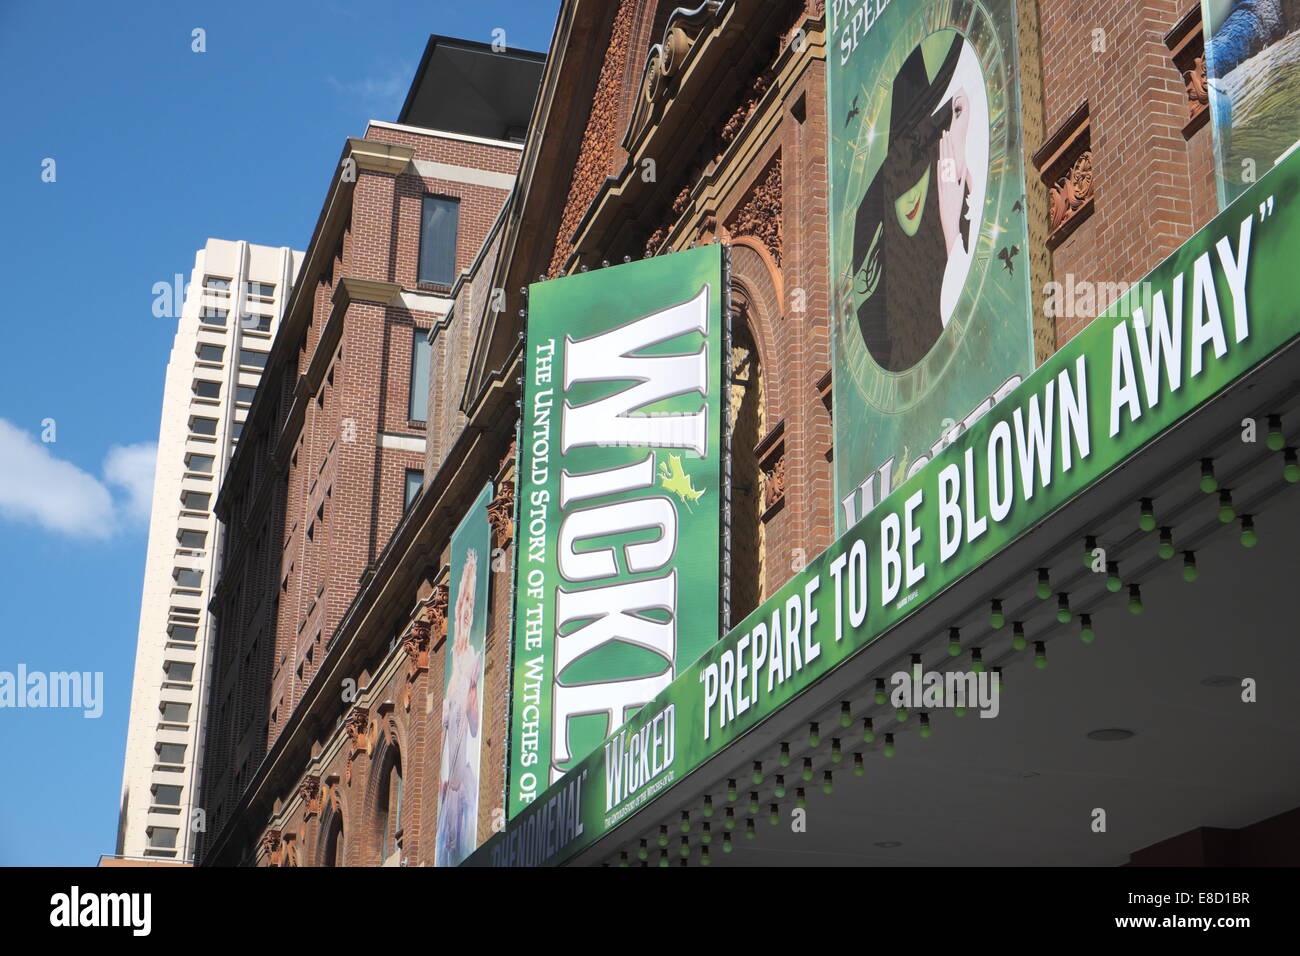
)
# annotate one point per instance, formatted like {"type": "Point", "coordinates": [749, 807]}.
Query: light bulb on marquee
{"type": "Point", "coordinates": [1248, 536]}
{"type": "Point", "coordinates": [1147, 521]}
{"type": "Point", "coordinates": [1276, 440]}
{"type": "Point", "coordinates": [1166, 549]}
{"type": "Point", "coordinates": [1086, 633]}
{"type": "Point", "coordinates": [1209, 484]}
{"type": "Point", "coordinates": [1044, 588]}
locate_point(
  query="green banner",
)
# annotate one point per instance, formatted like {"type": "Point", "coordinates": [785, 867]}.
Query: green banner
{"type": "Point", "coordinates": [1251, 86]}
{"type": "Point", "coordinates": [620, 455]}
{"type": "Point", "coordinates": [929, 272]}
{"type": "Point", "coordinates": [1204, 318]}
{"type": "Point", "coordinates": [462, 712]}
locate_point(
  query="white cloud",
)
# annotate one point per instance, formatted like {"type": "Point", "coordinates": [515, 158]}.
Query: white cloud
{"type": "Point", "coordinates": [130, 467]}
{"type": "Point", "coordinates": [38, 488]}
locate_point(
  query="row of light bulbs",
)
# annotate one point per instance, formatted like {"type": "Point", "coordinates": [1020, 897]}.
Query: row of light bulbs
{"type": "Point", "coordinates": [997, 620]}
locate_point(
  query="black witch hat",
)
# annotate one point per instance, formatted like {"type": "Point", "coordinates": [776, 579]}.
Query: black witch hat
{"type": "Point", "coordinates": [902, 276]}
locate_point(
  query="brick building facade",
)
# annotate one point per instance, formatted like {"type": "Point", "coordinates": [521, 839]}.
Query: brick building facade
{"type": "Point", "coordinates": [655, 128]}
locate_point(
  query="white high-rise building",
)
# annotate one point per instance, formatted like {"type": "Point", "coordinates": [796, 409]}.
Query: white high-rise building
{"type": "Point", "coordinates": [232, 308]}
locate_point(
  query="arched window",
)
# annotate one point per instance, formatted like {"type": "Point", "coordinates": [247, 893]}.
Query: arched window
{"type": "Point", "coordinates": [747, 504]}
{"type": "Point", "coordinates": [389, 817]}
{"type": "Point", "coordinates": [334, 842]}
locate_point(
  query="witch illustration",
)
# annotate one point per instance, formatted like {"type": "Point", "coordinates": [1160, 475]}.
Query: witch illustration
{"type": "Point", "coordinates": [914, 215]}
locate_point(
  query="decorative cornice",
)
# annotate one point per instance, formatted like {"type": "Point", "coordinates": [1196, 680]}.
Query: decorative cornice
{"type": "Point", "coordinates": [376, 157]}
{"type": "Point", "coordinates": [664, 64]}
{"type": "Point", "coordinates": [352, 289]}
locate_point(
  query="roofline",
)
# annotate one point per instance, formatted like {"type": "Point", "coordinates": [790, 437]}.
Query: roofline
{"type": "Point", "coordinates": [437, 39]}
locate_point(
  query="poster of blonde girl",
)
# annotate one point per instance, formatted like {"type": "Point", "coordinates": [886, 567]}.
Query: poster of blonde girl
{"type": "Point", "coordinates": [462, 712]}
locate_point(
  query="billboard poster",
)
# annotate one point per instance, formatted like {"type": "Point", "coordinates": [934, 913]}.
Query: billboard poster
{"type": "Point", "coordinates": [929, 273]}
{"type": "Point", "coordinates": [617, 579]}
{"type": "Point", "coordinates": [1218, 308]}
{"type": "Point", "coordinates": [462, 711]}
{"type": "Point", "coordinates": [1252, 66]}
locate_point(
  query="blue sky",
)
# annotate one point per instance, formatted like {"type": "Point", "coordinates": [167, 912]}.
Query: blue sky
{"type": "Point", "coordinates": [141, 130]}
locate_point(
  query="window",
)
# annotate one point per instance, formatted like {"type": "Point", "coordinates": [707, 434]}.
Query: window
{"type": "Point", "coordinates": [414, 479]}
{"type": "Point", "coordinates": [334, 845]}
{"type": "Point", "coordinates": [210, 316]}
{"type": "Point", "coordinates": [174, 712]}
{"type": "Point", "coordinates": [236, 430]}
{"type": "Point", "coordinates": [188, 578]}
{"type": "Point", "coordinates": [199, 463]}
{"type": "Point", "coordinates": [192, 539]}
{"type": "Point", "coordinates": [264, 291]}
{"type": "Point", "coordinates": [211, 353]}
{"type": "Point", "coordinates": [216, 283]}
{"type": "Point", "coordinates": [184, 633]}
{"type": "Point", "coordinates": [195, 500]}
{"type": "Point", "coordinates": [252, 322]}
{"type": "Point", "coordinates": [390, 811]}
{"type": "Point", "coordinates": [203, 426]}
{"type": "Point", "coordinates": [170, 753]}
{"type": "Point", "coordinates": [418, 403]}
{"type": "Point", "coordinates": [244, 394]}
{"type": "Point", "coordinates": [439, 222]}
{"type": "Point", "coordinates": [163, 838]}
{"type": "Point", "coordinates": [179, 671]}
{"type": "Point", "coordinates": [250, 359]}
{"type": "Point", "coordinates": [166, 795]}
{"type": "Point", "coordinates": [206, 389]}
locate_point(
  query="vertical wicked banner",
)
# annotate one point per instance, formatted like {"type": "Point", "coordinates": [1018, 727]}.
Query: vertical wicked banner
{"type": "Point", "coordinates": [617, 579]}
{"type": "Point", "coordinates": [1252, 89]}
{"type": "Point", "coordinates": [929, 271]}
{"type": "Point", "coordinates": [462, 711]}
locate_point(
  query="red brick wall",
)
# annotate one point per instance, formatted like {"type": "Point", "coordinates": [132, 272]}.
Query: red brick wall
{"type": "Point", "coordinates": [1152, 186]}
{"type": "Point", "coordinates": [338, 462]}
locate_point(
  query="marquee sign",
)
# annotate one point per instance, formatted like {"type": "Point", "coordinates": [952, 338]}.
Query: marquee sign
{"type": "Point", "coordinates": [1204, 318]}
{"type": "Point", "coordinates": [620, 504]}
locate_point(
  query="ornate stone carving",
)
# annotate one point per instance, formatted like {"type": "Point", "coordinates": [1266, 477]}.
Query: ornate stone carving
{"type": "Point", "coordinates": [759, 215]}
{"type": "Point", "coordinates": [501, 514]}
{"type": "Point", "coordinates": [681, 201]}
{"type": "Point", "coordinates": [774, 483]}
{"type": "Point", "coordinates": [415, 643]}
{"type": "Point", "coordinates": [357, 727]}
{"type": "Point", "coordinates": [656, 240]}
{"type": "Point", "coordinates": [310, 792]}
{"type": "Point", "coordinates": [595, 154]}
{"type": "Point", "coordinates": [438, 612]}
{"type": "Point", "coordinates": [1198, 88]}
{"type": "Point", "coordinates": [749, 102]}
{"type": "Point", "coordinates": [271, 846]}
{"type": "Point", "coordinates": [1186, 42]}
{"type": "Point", "coordinates": [1072, 191]}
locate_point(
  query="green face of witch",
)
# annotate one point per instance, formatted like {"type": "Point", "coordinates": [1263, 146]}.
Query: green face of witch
{"type": "Point", "coordinates": [910, 205]}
